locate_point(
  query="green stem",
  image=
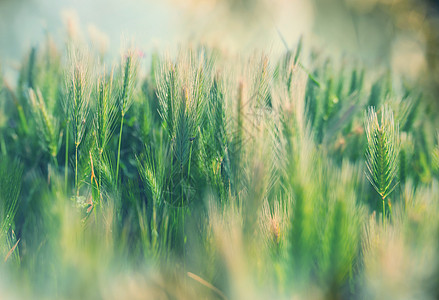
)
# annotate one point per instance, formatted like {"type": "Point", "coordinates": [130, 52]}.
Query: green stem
{"type": "Point", "coordinates": [384, 213]}
{"type": "Point", "coordinates": [76, 170]}
{"type": "Point", "coordinates": [183, 217]}
{"type": "Point", "coordinates": [390, 209]}
{"type": "Point", "coordinates": [100, 175]}
{"type": "Point", "coordinates": [55, 161]}
{"type": "Point", "coordinates": [20, 110]}
{"type": "Point", "coordinates": [190, 158]}
{"type": "Point", "coordinates": [118, 150]}
{"type": "Point", "coordinates": [66, 163]}
{"type": "Point", "coordinates": [3, 146]}
{"type": "Point", "coordinates": [22, 118]}
{"type": "Point", "coordinates": [181, 184]}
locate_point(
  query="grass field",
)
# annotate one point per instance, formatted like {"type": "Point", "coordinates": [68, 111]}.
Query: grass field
{"type": "Point", "coordinates": [202, 175]}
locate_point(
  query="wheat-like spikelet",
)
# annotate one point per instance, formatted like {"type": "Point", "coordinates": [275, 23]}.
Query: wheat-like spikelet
{"type": "Point", "coordinates": [382, 152]}
{"type": "Point", "coordinates": [76, 106]}
{"type": "Point", "coordinates": [47, 124]}
{"type": "Point", "coordinates": [104, 111]}
{"type": "Point", "coordinates": [128, 76]}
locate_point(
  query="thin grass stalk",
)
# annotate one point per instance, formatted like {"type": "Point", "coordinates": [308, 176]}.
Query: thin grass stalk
{"type": "Point", "coordinates": [125, 99]}
{"type": "Point", "coordinates": [3, 145]}
{"type": "Point", "coordinates": [76, 169]}
{"type": "Point", "coordinates": [20, 110]}
{"type": "Point", "coordinates": [118, 149]}
{"type": "Point", "coordinates": [104, 121]}
{"type": "Point", "coordinates": [239, 137]}
{"type": "Point", "coordinates": [66, 162]}
{"type": "Point", "coordinates": [78, 106]}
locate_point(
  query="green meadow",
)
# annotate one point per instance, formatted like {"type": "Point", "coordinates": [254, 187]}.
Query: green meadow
{"type": "Point", "coordinates": [205, 175]}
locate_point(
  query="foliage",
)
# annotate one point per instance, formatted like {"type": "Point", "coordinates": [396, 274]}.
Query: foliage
{"type": "Point", "coordinates": [227, 178]}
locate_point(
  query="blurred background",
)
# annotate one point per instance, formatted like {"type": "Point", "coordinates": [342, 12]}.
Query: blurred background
{"type": "Point", "coordinates": [399, 34]}
{"type": "Point", "coordinates": [373, 35]}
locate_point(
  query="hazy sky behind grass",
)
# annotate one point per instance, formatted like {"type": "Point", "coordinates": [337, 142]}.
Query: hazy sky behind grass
{"type": "Point", "coordinates": [237, 26]}
{"type": "Point", "coordinates": [23, 23]}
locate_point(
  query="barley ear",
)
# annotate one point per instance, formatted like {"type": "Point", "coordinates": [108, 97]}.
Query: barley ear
{"type": "Point", "coordinates": [382, 151]}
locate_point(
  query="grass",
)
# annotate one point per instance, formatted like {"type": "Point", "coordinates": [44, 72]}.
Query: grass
{"type": "Point", "coordinates": [204, 175]}
{"type": "Point", "coordinates": [77, 106]}
{"type": "Point", "coordinates": [382, 153]}
{"type": "Point", "coordinates": [125, 98]}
